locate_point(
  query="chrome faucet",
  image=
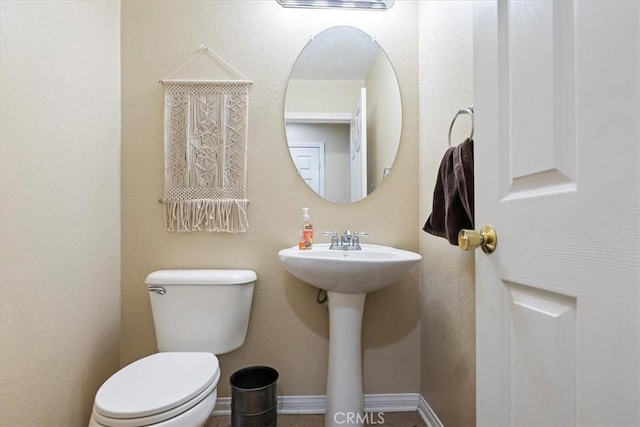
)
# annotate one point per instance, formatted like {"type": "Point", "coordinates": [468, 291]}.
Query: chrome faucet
{"type": "Point", "coordinates": [348, 242]}
{"type": "Point", "coordinates": [346, 238]}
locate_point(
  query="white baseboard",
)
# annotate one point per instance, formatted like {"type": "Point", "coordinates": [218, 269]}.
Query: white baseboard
{"type": "Point", "coordinates": [426, 413]}
{"type": "Point", "coordinates": [398, 402]}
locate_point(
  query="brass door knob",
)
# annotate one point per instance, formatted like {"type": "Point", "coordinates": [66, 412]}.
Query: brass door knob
{"type": "Point", "coordinates": [487, 239]}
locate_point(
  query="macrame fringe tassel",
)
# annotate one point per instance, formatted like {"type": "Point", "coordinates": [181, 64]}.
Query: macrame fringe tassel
{"type": "Point", "coordinates": [216, 215]}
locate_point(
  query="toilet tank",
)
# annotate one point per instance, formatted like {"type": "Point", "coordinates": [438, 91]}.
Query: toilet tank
{"type": "Point", "coordinates": [201, 310]}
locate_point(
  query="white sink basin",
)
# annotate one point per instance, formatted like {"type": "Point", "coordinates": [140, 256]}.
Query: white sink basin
{"type": "Point", "coordinates": [348, 272]}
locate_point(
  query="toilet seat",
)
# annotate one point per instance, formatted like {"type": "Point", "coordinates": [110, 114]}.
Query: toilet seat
{"type": "Point", "coordinates": [156, 388]}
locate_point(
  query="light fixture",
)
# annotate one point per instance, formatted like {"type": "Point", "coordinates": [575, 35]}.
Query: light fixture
{"type": "Point", "coordinates": [346, 4]}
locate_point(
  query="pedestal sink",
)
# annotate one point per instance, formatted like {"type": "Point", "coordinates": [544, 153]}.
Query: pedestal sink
{"type": "Point", "coordinates": [347, 276]}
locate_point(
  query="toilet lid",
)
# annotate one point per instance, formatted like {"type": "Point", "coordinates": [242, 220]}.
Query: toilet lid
{"type": "Point", "coordinates": [156, 383]}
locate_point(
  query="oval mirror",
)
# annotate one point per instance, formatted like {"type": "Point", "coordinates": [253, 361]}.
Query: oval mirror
{"type": "Point", "coordinates": [343, 114]}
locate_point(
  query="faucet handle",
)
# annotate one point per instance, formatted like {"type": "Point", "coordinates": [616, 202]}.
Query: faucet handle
{"type": "Point", "coordinates": [356, 237]}
{"type": "Point", "coordinates": [334, 238]}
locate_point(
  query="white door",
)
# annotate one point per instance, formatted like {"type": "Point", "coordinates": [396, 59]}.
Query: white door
{"type": "Point", "coordinates": [358, 148]}
{"type": "Point", "coordinates": [557, 115]}
{"type": "Point", "coordinates": [309, 160]}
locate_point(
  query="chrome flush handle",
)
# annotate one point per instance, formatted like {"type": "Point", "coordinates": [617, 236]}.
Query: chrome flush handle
{"type": "Point", "coordinates": [158, 290]}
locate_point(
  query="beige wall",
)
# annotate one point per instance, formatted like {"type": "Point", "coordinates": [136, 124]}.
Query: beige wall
{"type": "Point", "coordinates": [447, 294]}
{"type": "Point", "coordinates": [60, 226]}
{"type": "Point", "coordinates": [322, 96]}
{"type": "Point", "coordinates": [287, 330]}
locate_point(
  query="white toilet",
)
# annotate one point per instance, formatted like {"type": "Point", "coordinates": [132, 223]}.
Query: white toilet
{"type": "Point", "coordinates": [196, 314]}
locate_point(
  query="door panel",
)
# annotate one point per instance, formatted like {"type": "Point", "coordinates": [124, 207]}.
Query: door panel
{"type": "Point", "coordinates": [537, 62]}
{"type": "Point", "coordinates": [543, 350]}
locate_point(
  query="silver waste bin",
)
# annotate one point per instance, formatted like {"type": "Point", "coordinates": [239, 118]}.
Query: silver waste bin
{"type": "Point", "coordinates": [254, 397]}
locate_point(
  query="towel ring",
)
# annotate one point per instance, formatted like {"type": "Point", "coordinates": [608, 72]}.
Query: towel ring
{"type": "Point", "coordinates": [468, 111]}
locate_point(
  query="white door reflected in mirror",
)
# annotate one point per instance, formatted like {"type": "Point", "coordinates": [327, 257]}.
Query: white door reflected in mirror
{"type": "Point", "coordinates": [358, 150]}
{"type": "Point", "coordinates": [343, 92]}
{"type": "Point", "coordinates": [309, 160]}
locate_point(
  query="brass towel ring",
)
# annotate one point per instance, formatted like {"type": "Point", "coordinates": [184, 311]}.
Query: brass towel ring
{"type": "Point", "coordinates": [468, 111]}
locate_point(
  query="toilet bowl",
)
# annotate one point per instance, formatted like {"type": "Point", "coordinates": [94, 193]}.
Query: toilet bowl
{"type": "Point", "coordinates": [168, 389]}
{"type": "Point", "coordinates": [196, 314]}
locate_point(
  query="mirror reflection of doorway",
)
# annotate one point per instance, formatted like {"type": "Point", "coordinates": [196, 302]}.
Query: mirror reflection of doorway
{"type": "Point", "coordinates": [346, 159]}
{"type": "Point", "coordinates": [335, 137]}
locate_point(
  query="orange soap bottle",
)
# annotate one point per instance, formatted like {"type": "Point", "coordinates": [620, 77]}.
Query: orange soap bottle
{"type": "Point", "coordinates": [305, 235]}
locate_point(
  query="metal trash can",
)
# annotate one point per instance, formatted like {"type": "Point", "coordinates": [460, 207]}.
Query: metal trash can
{"type": "Point", "coordinates": [254, 397]}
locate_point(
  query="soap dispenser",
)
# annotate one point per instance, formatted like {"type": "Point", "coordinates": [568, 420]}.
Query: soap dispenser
{"type": "Point", "coordinates": [305, 234]}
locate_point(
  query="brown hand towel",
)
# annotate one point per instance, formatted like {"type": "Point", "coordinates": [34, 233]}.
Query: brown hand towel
{"type": "Point", "coordinates": [453, 194]}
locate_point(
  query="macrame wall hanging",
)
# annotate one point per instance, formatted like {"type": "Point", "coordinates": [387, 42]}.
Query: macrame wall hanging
{"type": "Point", "coordinates": [205, 153]}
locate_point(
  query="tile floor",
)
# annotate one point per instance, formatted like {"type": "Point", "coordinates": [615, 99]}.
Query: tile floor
{"type": "Point", "coordinates": [389, 419]}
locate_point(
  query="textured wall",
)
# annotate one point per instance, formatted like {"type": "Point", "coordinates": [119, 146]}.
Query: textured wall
{"type": "Point", "coordinates": [60, 244]}
{"type": "Point", "coordinates": [287, 330]}
{"type": "Point", "coordinates": [447, 293]}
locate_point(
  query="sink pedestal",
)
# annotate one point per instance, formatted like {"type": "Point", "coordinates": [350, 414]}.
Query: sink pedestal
{"type": "Point", "coordinates": [345, 399]}
{"type": "Point", "coordinates": [347, 276]}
